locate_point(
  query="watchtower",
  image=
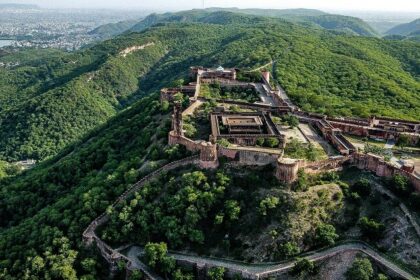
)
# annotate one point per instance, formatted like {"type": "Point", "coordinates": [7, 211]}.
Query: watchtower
{"type": "Point", "coordinates": [177, 120]}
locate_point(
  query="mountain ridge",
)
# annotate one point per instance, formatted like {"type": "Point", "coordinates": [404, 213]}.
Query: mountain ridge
{"type": "Point", "coordinates": [406, 29]}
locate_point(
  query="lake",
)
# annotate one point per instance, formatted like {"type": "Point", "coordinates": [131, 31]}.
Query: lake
{"type": "Point", "coordinates": [4, 43]}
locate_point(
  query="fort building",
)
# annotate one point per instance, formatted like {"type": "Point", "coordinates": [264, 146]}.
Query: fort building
{"type": "Point", "coordinates": [244, 128]}
{"type": "Point", "coordinates": [214, 73]}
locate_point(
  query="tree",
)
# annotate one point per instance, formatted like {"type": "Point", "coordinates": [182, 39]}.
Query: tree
{"type": "Point", "coordinates": [136, 275]}
{"type": "Point", "coordinates": [381, 277]}
{"type": "Point", "coordinates": [371, 228]}
{"type": "Point", "coordinates": [291, 120]}
{"type": "Point", "coordinates": [218, 220]}
{"type": "Point", "coordinates": [178, 83]}
{"type": "Point", "coordinates": [301, 184]}
{"type": "Point", "coordinates": [180, 275]}
{"type": "Point", "coordinates": [232, 209]}
{"type": "Point", "coordinates": [401, 185]}
{"type": "Point", "coordinates": [260, 141]}
{"type": "Point", "coordinates": [178, 97]}
{"type": "Point", "coordinates": [223, 142]}
{"type": "Point", "coordinates": [361, 269]}
{"type": "Point", "coordinates": [216, 273]}
{"type": "Point", "coordinates": [164, 107]}
{"type": "Point", "coordinates": [156, 257]}
{"type": "Point", "coordinates": [269, 202]}
{"type": "Point", "coordinates": [190, 130]}
{"type": "Point", "coordinates": [325, 235]}
{"type": "Point", "coordinates": [311, 153]}
{"type": "Point", "coordinates": [272, 142]}
{"type": "Point", "coordinates": [89, 265]}
{"type": "Point", "coordinates": [302, 268]}
{"type": "Point", "coordinates": [289, 249]}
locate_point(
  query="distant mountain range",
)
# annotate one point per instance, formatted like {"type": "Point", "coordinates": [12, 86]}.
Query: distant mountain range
{"type": "Point", "coordinates": [406, 29]}
{"type": "Point", "coordinates": [18, 6]}
{"type": "Point", "coordinates": [306, 17]}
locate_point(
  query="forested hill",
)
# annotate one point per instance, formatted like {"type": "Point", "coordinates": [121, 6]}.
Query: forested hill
{"type": "Point", "coordinates": [107, 93]}
{"type": "Point", "coordinates": [312, 18]}
{"type": "Point", "coordinates": [50, 99]}
{"type": "Point", "coordinates": [109, 30]}
{"type": "Point", "coordinates": [406, 29]}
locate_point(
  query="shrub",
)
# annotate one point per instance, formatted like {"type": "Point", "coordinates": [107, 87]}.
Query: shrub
{"type": "Point", "coordinates": [269, 202]}
{"type": "Point", "coordinates": [289, 249]}
{"type": "Point", "coordinates": [303, 267]}
{"type": "Point", "coordinates": [302, 181]}
{"type": "Point", "coordinates": [223, 142]}
{"type": "Point", "coordinates": [291, 120]}
{"type": "Point", "coordinates": [361, 269]}
{"type": "Point", "coordinates": [216, 273]}
{"type": "Point", "coordinates": [325, 235]}
{"type": "Point", "coordinates": [272, 142]}
{"type": "Point", "coordinates": [260, 141]}
{"type": "Point", "coordinates": [371, 228]}
{"type": "Point", "coordinates": [400, 185]}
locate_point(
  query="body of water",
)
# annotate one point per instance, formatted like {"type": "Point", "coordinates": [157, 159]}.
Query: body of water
{"type": "Point", "coordinates": [4, 43]}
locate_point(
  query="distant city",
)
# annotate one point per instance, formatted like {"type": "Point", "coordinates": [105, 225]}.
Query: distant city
{"type": "Point", "coordinates": [69, 30]}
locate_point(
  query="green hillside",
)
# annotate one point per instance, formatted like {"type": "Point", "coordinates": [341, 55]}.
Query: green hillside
{"type": "Point", "coordinates": [53, 98]}
{"type": "Point", "coordinates": [43, 239]}
{"type": "Point", "coordinates": [109, 30]}
{"type": "Point", "coordinates": [97, 111]}
{"type": "Point", "coordinates": [345, 24]}
{"type": "Point", "coordinates": [406, 29]}
{"type": "Point", "coordinates": [48, 103]}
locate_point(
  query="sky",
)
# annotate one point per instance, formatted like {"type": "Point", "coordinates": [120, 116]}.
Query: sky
{"type": "Point", "coordinates": [169, 5]}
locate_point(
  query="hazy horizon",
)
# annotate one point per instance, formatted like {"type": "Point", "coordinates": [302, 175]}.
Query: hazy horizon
{"type": "Point", "coordinates": [407, 6]}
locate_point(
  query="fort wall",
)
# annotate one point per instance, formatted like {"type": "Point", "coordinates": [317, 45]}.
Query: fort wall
{"type": "Point", "coordinates": [113, 256]}
{"type": "Point", "coordinates": [381, 168]}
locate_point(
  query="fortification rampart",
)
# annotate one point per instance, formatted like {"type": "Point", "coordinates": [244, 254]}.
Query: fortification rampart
{"type": "Point", "coordinates": [331, 128]}
{"type": "Point", "coordinates": [382, 168]}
